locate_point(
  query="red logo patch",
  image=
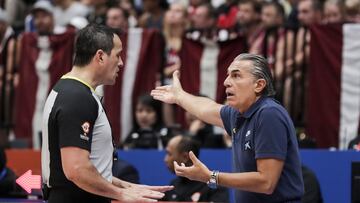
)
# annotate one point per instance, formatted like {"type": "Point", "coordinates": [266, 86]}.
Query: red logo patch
{"type": "Point", "coordinates": [86, 128]}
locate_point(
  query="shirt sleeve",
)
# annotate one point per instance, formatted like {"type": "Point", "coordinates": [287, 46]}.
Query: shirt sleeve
{"type": "Point", "coordinates": [226, 113]}
{"type": "Point", "coordinates": [76, 119]}
{"type": "Point", "coordinates": [271, 135]}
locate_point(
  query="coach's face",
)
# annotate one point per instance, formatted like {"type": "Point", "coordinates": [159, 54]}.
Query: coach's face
{"type": "Point", "coordinates": [241, 86]}
{"type": "Point", "coordinates": [113, 62]}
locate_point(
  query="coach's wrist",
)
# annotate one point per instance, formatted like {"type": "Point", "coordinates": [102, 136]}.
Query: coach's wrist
{"type": "Point", "coordinates": [179, 97]}
{"type": "Point", "coordinates": [214, 179]}
{"type": "Point", "coordinates": [208, 176]}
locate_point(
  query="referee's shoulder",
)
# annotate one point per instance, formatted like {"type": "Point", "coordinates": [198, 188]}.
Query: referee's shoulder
{"type": "Point", "coordinates": [74, 92]}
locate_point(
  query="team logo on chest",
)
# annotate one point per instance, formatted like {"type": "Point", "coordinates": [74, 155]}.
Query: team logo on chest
{"type": "Point", "coordinates": [247, 145]}
{"type": "Point", "coordinates": [247, 133]}
{"type": "Point", "coordinates": [86, 128]}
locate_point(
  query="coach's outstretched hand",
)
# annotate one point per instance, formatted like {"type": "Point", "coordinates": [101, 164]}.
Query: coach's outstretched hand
{"type": "Point", "coordinates": [169, 93]}
{"type": "Point", "coordinates": [198, 171]}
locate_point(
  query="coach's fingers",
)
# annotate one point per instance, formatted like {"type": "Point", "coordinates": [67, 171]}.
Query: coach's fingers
{"type": "Point", "coordinates": [193, 158]}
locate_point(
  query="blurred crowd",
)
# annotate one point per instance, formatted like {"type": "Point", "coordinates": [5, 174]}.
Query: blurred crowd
{"type": "Point", "coordinates": [277, 29]}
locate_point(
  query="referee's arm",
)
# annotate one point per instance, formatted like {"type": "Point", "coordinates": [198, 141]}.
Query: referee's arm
{"type": "Point", "coordinates": [79, 169]}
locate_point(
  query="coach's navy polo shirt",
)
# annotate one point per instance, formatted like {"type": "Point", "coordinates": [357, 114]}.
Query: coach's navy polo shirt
{"type": "Point", "coordinates": [265, 130]}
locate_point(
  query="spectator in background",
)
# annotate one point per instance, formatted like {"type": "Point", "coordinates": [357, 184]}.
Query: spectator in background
{"type": "Point", "coordinates": [66, 10]}
{"type": "Point", "coordinates": [272, 20]}
{"type": "Point", "coordinates": [297, 59]}
{"type": "Point", "coordinates": [187, 190]}
{"type": "Point", "coordinates": [203, 20]}
{"type": "Point", "coordinates": [7, 71]}
{"type": "Point", "coordinates": [44, 22]}
{"type": "Point", "coordinates": [153, 14]}
{"type": "Point", "coordinates": [227, 13]}
{"type": "Point", "coordinates": [175, 24]}
{"type": "Point", "coordinates": [306, 142]}
{"type": "Point", "coordinates": [352, 11]}
{"type": "Point", "coordinates": [203, 132]}
{"type": "Point", "coordinates": [128, 6]}
{"type": "Point", "coordinates": [7, 176]}
{"type": "Point", "coordinates": [98, 14]}
{"type": "Point", "coordinates": [17, 11]}
{"type": "Point", "coordinates": [272, 15]}
{"type": "Point", "coordinates": [292, 21]}
{"type": "Point", "coordinates": [148, 131]}
{"type": "Point", "coordinates": [248, 20]}
{"type": "Point", "coordinates": [311, 184]}
{"type": "Point", "coordinates": [117, 18]}
{"type": "Point", "coordinates": [125, 171]}
{"type": "Point", "coordinates": [334, 11]}
{"type": "Point", "coordinates": [193, 4]}
{"type": "Point", "coordinates": [309, 12]}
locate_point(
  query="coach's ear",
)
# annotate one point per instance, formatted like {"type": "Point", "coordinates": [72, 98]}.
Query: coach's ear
{"type": "Point", "coordinates": [259, 85]}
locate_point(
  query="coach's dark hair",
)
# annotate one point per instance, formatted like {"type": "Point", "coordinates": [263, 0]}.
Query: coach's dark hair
{"type": "Point", "coordinates": [260, 70]}
{"type": "Point", "coordinates": [188, 144]}
{"type": "Point", "coordinates": [89, 40]}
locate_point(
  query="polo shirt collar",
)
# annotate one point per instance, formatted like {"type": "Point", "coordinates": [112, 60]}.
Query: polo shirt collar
{"type": "Point", "coordinates": [254, 107]}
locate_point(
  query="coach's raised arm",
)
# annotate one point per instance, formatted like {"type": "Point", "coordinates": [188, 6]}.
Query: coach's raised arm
{"type": "Point", "coordinates": [265, 150]}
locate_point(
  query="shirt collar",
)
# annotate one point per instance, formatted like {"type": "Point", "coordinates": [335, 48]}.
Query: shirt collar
{"type": "Point", "coordinates": [254, 107]}
{"type": "Point", "coordinates": [78, 79]}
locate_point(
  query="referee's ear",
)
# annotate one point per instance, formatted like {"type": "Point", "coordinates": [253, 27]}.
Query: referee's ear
{"type": "Point", "coordinates": [99, 56]}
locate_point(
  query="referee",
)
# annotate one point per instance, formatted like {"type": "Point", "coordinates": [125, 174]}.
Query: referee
{"type": "Point", "coordinates": [77, 150]}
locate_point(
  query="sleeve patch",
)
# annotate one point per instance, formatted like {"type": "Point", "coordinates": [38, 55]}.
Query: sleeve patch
{"type": "Point", "coordinates": [86, 129]}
